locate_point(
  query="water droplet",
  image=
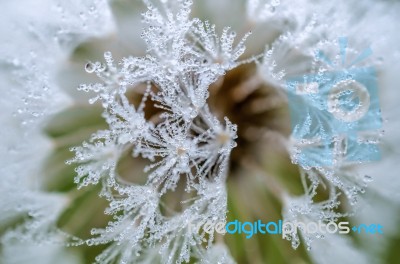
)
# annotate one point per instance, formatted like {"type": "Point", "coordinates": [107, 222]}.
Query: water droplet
{"type": "Point", "coordinates": [89, 67]}
{"type": "Point", "coordinates": [368, 178]}
{"type": "Point", "coordinates": [107, 54]}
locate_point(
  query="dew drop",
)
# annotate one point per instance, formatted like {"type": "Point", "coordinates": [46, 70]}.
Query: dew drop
{"type": "Point", "coordinates": [89, 67]}
{"type": "Point", "coordinates": [107, 54]}
{"type": "Point", "coordinates": [368, 178]}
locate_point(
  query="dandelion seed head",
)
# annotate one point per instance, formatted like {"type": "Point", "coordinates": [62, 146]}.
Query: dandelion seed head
{"type": "Point", "coordinates": [194, 110]}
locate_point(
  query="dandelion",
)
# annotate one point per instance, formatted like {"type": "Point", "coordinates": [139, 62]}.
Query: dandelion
{"type": "Point", "coordinates": [188, 122]}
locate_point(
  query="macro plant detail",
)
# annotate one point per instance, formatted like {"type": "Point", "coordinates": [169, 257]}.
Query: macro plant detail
{"type": "Point", "coordinates": [272, 116]}
{"type": "Point", "coordinates": [183, 142]}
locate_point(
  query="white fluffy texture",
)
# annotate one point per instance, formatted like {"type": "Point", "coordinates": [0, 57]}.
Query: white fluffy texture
{"type": "Point", "coordinates": [382, 203]}
{"type": "Point", "coordinates": [330, 248]}
{"type": "Point", "coordinates": [185, 142]}
{"type": "Point", "coordinates": [219, 254]}
{"type": "Point", "coordinates": [364, 26]}
{"type": "Point", "coordinates": [389, 97]}
{"type": "Point", "coordinates": [338, 249]}
{"type": "Point", "coordinates": [51, 30]}
{"type": "Point", "coordinates": [35, 35]}
{"type": "Point", "coordinates": [32, 253]}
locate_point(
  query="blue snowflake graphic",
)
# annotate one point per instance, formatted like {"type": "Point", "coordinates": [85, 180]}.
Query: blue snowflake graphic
{"type": "Point", "coordinates": [332, 111]}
